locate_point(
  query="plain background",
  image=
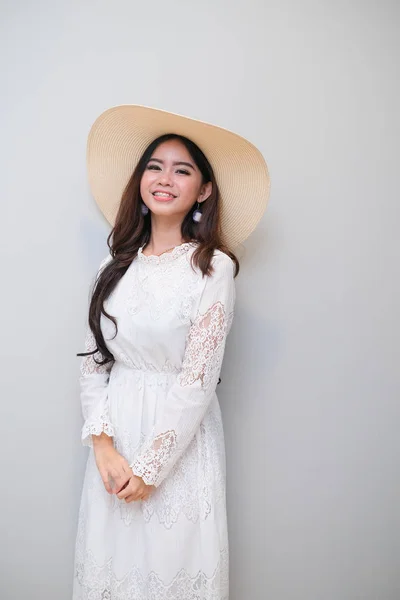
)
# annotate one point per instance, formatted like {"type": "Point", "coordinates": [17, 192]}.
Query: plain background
{"type": "Point", "coordinates": [311, 382]}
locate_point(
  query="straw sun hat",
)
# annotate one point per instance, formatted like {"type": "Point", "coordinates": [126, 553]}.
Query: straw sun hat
{"type": "Point", "coordinates": [120, 135]}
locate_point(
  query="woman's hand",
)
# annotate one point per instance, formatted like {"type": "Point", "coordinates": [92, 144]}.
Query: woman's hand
{"type": "Point", "coordinates": [135, 489]}
{"type": "Point", "coordinates": [110, 463]}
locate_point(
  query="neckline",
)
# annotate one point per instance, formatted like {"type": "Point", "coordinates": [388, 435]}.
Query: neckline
{"type": "Point", "coordinates": [165, 256]}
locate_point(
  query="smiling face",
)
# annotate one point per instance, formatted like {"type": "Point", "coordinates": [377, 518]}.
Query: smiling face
{"type": "Point", "coordinates": [172, 183]}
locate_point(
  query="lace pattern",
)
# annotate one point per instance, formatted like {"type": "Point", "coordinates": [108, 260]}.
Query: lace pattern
{"type": "Point", "coordinates": [205, 337]}
{"type": "Point", "coordinates": [95, 580]}
{"type": "Point", "coordinates": [156, 453]}
{"type": "Point", "coordinates": [102, 425]}
{"type": "Point", "coordinates": [94, 377]}
{"type": "Point", "coordinates": [99, 582]}
{"type": "Point", "coordinates": [88, 365]}
{"type": "Point", "coordinates": [166, 256]}
{"type": "Point", "coordinates": [202, 363]}
{"type": "Point", "coordinates": [189, 491]}
{"type": "Point", "coordinates": [158, 401]}
{"type": "Point", "coordinates": [169, 273]}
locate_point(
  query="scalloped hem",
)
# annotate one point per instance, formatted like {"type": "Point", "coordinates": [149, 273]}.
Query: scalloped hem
{"type": "Point", "coordinates": [96, 429]}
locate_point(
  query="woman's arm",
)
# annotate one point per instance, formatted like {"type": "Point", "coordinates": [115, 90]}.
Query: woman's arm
{"type": "Point", "coordinates": [94, 389]}
{"type": "Point", "coordinates": [98, 430]}
{"type": "Point", "coordinates": [94, 394]}
{"type": "Point", "coordinates": [191, 394]}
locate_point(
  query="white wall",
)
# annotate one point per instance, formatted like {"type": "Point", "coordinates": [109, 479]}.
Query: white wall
{"type": "Point", "coordinates": [310, 390]}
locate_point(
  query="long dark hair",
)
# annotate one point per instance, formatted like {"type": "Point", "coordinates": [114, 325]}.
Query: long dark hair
{"type": "Point", "coordinates": [132, 230]}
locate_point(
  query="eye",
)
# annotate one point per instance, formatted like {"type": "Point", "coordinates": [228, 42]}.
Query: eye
{"type": "Point", "coordinates": [153, 167]}
{"type": "Point", "coordinates": [183, 171]}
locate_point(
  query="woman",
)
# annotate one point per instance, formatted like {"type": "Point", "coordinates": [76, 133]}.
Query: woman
{"type": "Point", "coordinates": [152, 522]}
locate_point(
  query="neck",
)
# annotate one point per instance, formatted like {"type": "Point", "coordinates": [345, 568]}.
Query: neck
{"type": "Point", "coordinates": [164, 237]}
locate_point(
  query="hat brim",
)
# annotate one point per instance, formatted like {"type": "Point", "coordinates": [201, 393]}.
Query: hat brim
{"type": "Point", "coordinates": [120, 135]}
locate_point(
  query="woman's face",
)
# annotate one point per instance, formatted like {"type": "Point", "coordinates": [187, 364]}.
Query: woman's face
{"type": "Point", "coordinates": [172, 183]}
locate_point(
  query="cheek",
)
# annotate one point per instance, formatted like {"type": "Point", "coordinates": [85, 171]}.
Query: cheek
{"type": "Point", "coordinates": [144, 182]}
{"type": "Point", "coordinates": [190, 189]}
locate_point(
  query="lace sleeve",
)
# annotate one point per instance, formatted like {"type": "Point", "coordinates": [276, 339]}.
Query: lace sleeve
{"type": "Point", "coordinates": [93, 390]}
{"type": "Point", "coordinates": [190, 396]}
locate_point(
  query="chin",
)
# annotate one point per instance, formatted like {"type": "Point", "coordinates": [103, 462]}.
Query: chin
{"type": "Point", "coordinates": [162, 209]}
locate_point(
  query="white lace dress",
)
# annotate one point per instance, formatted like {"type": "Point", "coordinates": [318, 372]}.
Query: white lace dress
{"type": "Point", "coordinates": [158, 401]}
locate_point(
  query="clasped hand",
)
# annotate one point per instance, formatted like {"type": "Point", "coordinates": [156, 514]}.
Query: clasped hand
{"type": "Point", "coordinates": [115, 468]}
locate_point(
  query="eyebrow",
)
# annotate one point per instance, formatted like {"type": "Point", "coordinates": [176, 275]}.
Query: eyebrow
{"type": "Point", "coordinates": [181, 162]}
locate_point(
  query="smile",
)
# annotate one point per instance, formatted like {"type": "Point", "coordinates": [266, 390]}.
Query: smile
{"type": "Point", "coordinates": [163, 196]}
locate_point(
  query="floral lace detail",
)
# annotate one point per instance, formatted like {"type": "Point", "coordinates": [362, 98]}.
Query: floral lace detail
{"type": "Point", "coordinates": [102, 425]}
{"type": "Point", "coordinates": [165, 256]}
{"type": "Point", "coordinates": [193, 490]}
{"type": "Point", "coordinates": [128, 551]}
{"type": "Point", "coordinates": [96, 422]}
{"type": "Point", "coordinates": [155, 454]}
{"type": "Point", "coordinates": [170, 288]}
{"type": "Point", "coordinates": [202, 362]}
{"type": "Point", "coordinates": [180, 493]}
{"type": "Point", "coordinates": [205, 337]}
{"type": "Point", "coordinates": [95, 582]}
{"type": "Point", "coordinates": [188, 490]}
{"type": "Point", "coordinates": [88, 364]}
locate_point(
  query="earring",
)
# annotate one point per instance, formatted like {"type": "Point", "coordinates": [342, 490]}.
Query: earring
{"type": "Point", "coordinates": [197, 214]}
{"type": "Point", "coordinates": [145, 209]}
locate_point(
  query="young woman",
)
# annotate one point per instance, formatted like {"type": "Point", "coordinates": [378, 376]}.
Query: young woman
{"type": "Point", "coordinates": [152, 521]}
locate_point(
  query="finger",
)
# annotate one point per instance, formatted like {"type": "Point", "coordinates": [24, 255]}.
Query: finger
{"type": "Point", "coordinates": [131, 494]}
{"type": "Point", "coordinates": [126, 491]}
{"type": "Point", "coordinates": [108, 487]}
{"type": "Point", "coordinates": [105, 480]}
{"type": "Point", "coordinates": [120, 479]}
{"type": "Point", "coordinates": [123, 487]}
{"type": "Point", "coordinates": [130, 498]}
{"type": "Point", "coordinates": [123, 494]}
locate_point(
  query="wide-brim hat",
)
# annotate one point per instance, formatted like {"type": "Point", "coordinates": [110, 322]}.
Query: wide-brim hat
{"type": "Point", "coordinates": [120, 135]}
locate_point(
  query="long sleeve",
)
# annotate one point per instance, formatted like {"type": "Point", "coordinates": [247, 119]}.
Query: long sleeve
{"type": "Point", "coordinates": [189, 397]}
{"type": "Point", "coordinates": [94, 390]}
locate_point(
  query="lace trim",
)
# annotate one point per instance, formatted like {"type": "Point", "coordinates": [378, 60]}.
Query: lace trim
{"type": "Point", "coordinates": [154, 457]}
{"type": "Point", "coordinates": [103, 425]}
{"type": "Point", "coordinates": [179, 284]}
{"type": "Point", "coordinates": [166, 256]}
{"type": "Point", "coordinates": [195, 486]}
{"type": "Point", "coordinates": [96, 582]}
{"type": "Point", "coordinates": [206, 335]}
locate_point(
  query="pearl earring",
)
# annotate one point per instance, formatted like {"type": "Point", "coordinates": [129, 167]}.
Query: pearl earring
{"type": "Point", "coordinates": [197, 214]}
{"type": "Point", "coordinates": [145, 209]}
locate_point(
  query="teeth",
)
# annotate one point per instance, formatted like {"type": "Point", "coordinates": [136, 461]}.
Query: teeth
{"type": "Point", "coordinates": [162, 194]}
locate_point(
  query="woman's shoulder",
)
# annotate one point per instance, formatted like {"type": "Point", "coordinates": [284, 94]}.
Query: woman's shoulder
{"type": "Point", "coordinates": [219, 258]}
{"type": "Point", "coordinates": [222, 260]}
{"type": "Point", "coordinates": [222, 266]}
{"type": "Point", "coordinates": [220, 255]}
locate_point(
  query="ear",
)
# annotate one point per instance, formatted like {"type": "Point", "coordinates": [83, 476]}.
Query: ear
{"type": "Point", "coordinates": [205, 192]}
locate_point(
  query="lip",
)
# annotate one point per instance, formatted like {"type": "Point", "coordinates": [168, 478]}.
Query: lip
{"type": "Point", "coordinates": [163, 198]}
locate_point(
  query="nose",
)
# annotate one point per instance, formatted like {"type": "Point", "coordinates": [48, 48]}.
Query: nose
{"type": "Point", "coordinates": [165, 178]}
